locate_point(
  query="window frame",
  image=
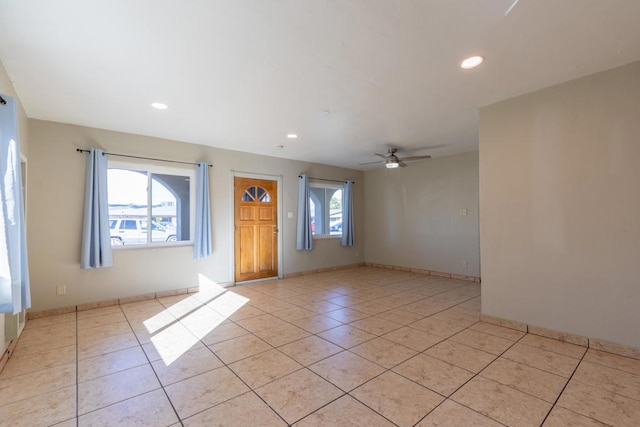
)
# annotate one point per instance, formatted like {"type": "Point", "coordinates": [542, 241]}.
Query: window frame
{"type": "Point", "coordinates": [327, 209]}
{"type": "Point", "coordinates": [152, 169]}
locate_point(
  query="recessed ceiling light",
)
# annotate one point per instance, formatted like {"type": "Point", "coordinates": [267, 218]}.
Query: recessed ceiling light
{"type": "Point", "coordinates": [472, 62]}
{"type": "Point", "coordinates": [292, 135]}
{"type": "Point", "coordinates": [159, 106]}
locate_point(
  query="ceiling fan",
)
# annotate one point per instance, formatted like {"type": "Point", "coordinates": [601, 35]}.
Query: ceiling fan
{"type": "Point", "coordinates": [392, 161]}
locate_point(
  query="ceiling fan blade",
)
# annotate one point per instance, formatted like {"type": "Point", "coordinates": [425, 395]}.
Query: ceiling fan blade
{"type": "Point", "coordinates": [381, 155]}
{"type": "Point", "coordinates": [409, 159]}
{"type": "Point", "coordinates": [370, 163]}
{"type": "Point", "coordinates": [402, 164]}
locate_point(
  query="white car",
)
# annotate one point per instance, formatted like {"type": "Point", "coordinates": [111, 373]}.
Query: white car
{"type": "Point", "coordinates": [133, 231]}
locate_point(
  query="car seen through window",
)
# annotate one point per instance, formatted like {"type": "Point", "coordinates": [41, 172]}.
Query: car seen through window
{"type": "Point", "coordinates": [134, 231]}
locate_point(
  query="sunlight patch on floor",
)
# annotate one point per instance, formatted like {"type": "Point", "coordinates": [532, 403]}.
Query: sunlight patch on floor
{"type": "Point", "coordinates": [182, 325]}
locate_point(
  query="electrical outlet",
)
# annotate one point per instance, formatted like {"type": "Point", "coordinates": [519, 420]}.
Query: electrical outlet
{"type": "Point", "coordinates": [61, 290]}
{"type": "Point", "coordinates": [463, 212]}
{"type": "Point", "coordinates": [465, 264]}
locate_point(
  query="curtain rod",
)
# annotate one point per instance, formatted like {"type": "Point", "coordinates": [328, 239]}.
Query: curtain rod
{"type": "Point", "coordinates": [330, 180]}
{"type": "Point", "coordinates": [80, 150]}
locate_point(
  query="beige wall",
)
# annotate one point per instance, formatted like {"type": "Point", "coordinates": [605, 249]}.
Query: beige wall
{"type": "Point", "coordinates": [57, 171]}
{"type": "Point", "coordinates": [559, 206]}
{"type": "Point", "coordinates": [413, 216]}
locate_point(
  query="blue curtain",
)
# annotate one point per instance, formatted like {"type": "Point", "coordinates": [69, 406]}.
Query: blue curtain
{"type": "Point", "coordinates": [96, 238]}
{"type": "Point", "coordinates": [347, 214]}
{"type": "Point", "coordinates": [14, 269]}
{"type": "Point", "coordinates": [304, 239]}
{"type": "Point", "coordinates": [202, 240]}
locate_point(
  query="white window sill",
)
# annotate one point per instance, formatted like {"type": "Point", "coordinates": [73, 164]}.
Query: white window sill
{"type": "Point", "coordinates": [325, 237]}
{"type": "Point", "coordinates": [151, 246]}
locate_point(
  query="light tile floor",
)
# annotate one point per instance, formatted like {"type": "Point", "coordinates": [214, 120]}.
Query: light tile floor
{"type": "Point", "coordinates": [362, 346]}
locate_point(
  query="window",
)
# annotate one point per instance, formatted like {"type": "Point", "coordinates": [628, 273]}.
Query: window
{"type": "Point", "coordinates": [256, 194]}
{"type": "Point", "coordinates": [326, 209]}
{"type": "Point", "coordinates": [140, 195]}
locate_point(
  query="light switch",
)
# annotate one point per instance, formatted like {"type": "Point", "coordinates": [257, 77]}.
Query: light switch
{"type": "Point", "coordinates": [290, 215]}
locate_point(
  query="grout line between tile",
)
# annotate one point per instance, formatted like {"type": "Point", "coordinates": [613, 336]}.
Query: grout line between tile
{"type": "Point", "coordinates": [470, 379]}
{"type": "Point", "coordinates": [564, 388]}
{"type": "Point", "coordinates": [154, 371]}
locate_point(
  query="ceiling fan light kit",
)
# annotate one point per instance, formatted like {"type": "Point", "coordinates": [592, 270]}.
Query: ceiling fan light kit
{"type": "Point", "coordinates": [472, 62]}
{"type": "Point", "coordinates": [391, 161]}
{"type": "Point", "coordinates": [392, 165]}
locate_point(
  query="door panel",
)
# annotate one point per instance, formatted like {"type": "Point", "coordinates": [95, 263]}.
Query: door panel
{"type": "Point", "coordinates": [247, 240]}
{"type": "Point", "coordinates": [265, 254]}
{"type": "Point", "coordinates": [247, 213]}
{"type": "Point", "coordinates": [256, 231]}
{"type": "Point", "coordinates": [266, 214]}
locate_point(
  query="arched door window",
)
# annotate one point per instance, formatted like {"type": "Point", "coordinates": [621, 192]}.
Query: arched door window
{"type": "Point", "coordinates": [256, 194]}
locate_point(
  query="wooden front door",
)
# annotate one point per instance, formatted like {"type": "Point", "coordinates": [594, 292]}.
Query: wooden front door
{"type": "Point", "coordinates": [256, 229]}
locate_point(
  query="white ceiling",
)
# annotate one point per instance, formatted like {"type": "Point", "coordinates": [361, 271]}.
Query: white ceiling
{"type": "Point", "coordinates": [350, 77]}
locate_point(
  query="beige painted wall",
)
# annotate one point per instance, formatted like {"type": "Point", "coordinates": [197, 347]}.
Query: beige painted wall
{"type": "Point", "coordinates": [559, 205]}
{"type": "Point", "coordinates": [413, 215]}
{"type": "Point", "coordinates": [56, 204]}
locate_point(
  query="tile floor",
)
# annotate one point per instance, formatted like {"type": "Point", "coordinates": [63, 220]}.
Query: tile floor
{"type": "Point", "coordinates": [363, 347]}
